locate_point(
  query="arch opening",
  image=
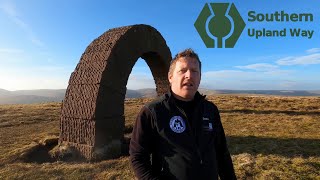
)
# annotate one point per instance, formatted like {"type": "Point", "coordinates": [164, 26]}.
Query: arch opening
{"type": "Point", "coordinates": [140, 78]}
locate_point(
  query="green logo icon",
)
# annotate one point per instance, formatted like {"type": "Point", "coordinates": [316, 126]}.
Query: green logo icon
{"type": "Point", "coordinates": [219, 25]}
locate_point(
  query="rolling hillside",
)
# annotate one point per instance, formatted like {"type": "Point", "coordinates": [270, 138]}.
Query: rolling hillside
{"type": "Point", "coordinates": [52, 95]}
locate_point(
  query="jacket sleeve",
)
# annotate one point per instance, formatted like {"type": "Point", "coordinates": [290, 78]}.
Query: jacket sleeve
{"type": "Point", "coordinates": [141, 145]}
{"type": "Point", "coordinates": [225, 166]}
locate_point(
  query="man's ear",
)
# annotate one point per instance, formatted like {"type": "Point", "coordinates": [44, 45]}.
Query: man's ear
{"type": "Point", "coordinates": [170, 78]}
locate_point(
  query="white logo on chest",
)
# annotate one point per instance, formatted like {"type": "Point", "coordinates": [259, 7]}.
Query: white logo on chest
{"type": "Point", "coordinates": [177, 124]}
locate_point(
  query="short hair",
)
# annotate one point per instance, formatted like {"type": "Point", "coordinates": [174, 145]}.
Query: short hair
{"type": "Point", "coordinates": [185, 53]}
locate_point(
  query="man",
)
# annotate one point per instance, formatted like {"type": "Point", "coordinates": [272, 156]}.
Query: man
{"type": "Point", "coordinates": [181, 131]}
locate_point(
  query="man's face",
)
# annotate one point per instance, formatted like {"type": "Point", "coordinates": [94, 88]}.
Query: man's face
{"type": "Point", "coordinates": [185, 78]}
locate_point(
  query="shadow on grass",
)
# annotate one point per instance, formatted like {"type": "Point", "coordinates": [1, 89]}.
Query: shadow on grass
{"type": "Point", "coordinates": [289, 147]}
{"type": "Point", "coordinates": [250, 111]}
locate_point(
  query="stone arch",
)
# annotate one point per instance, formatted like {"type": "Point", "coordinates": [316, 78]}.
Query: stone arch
{"type": "Point", "coordinates": [92, 114]}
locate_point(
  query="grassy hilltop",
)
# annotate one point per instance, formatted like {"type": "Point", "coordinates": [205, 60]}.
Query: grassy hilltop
{"type": "Point", "coordinates": [269, 137]}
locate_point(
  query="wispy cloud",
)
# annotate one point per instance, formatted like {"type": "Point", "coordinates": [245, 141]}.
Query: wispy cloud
{"type": "Point", "coordinates": [227, 74]}
{"type": "Point", "coordinates": [265, 76]}
{"type": "Point", "coordinates": [15, 82]}
{"type": "Point", "coordinates": [244, 75]}
{"type": "Point", "coordinates": [313, 50]}
{"type": "Point", "coordinates": [300, 60]}
{"type": "Point", "coordinates": [10, 10]}
{"type": "Point", "coordinates": [237, 79]}
{"type": "Point", "coordinates": [10, 51]}
{"type": "Point", "coordinates": [10, 56]}
{"type": "Point", "coordinates": [289, 84]}
{"type": "Point", "coordinates": [264, 58]}
{"type": "Point", "coordinates": [279, 72]}
{"type": "Point", "coordinates": [259, 67]}
{"type": "Point", "coordinates": [41, 77]}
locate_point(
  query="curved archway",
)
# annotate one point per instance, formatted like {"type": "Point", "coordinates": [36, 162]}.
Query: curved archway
{"type": "Point", "coordinates": [92, 114]}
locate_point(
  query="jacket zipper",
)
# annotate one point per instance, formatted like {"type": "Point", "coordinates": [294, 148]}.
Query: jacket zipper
{"type": "Point", "coordinates": [197, 148]}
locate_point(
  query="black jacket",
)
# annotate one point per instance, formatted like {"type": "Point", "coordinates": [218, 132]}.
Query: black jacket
{"type": "Point", "coordinates": [178, 150]}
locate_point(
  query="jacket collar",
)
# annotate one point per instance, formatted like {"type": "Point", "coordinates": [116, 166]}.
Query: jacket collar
{"type": "Point", "coordinates": [197, 97]}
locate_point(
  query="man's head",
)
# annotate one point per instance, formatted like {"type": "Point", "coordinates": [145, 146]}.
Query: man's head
{"type": "Point", "coordinates": [185, 74]}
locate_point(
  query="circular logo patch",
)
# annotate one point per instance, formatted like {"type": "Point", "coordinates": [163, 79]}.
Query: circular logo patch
{"type": "Point", "coordinates": [177, 124]}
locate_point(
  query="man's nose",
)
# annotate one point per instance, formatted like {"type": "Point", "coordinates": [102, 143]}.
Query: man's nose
{"type": "Point", "coordinates": [188, 74]}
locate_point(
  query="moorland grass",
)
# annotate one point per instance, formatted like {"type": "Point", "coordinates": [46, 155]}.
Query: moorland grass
{"type": "Point", "coordinates": [269, 137]}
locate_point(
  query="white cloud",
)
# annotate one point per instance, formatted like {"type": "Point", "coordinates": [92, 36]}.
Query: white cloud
{"type": "Point", "coordinates": [313, 50]}
{"type": "Point", "coordinates": [300, 60]}
{"type": "Point", "coordinates": [11, 56]}
{"type": "Point", "coordinates": [245, 75]}
{"type": "Point", "coordinates": [289, 84]}
{"type": "Point", "coordinates": [269, 76]}
{"type": "Point", "coordinates": [56, 77]}
{"type": "Point", "coordinates": [259, 67]}
{"type": "Point", "coordinates": [226, 74]}
{"type": "Point", "coordinates": [244, 80]}
{"type": "Point", "coordinates": [279, 72]}
{"type": "Point", "coordinates": [37, 77]}
{"type": "Point", "coordinates": [264, 58]}
{"type": "Point", "coordinates": [14, 82]}
{"type": "Point", "coordinates": [10, 10]}
{"type": "Point", "coordinates": [17, 57]}
{"type": "Point", "coordinates": [10, 51]}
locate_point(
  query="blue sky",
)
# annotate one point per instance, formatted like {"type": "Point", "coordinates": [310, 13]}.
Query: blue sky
{"type": "Point", "coordinates": [42, 42]}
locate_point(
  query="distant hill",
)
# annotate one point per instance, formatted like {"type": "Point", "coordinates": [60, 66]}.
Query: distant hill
{"type": "Point", "coordinates": [28, 99]}
{"type": "Point", "coordinates": [4, 92]}
{"type": "Point", "coordinates": [133, 94]}
{"type": "Point", "coordinates": [31, 96]}
{"type": "Point", "coordinates": [148, 92]}
{"type": "Point", "coordinates": [57, 95]}
{"type": "Point", "coordinates": [271, 92]}
{"type": "Point", "coordinates": [315, 92]}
